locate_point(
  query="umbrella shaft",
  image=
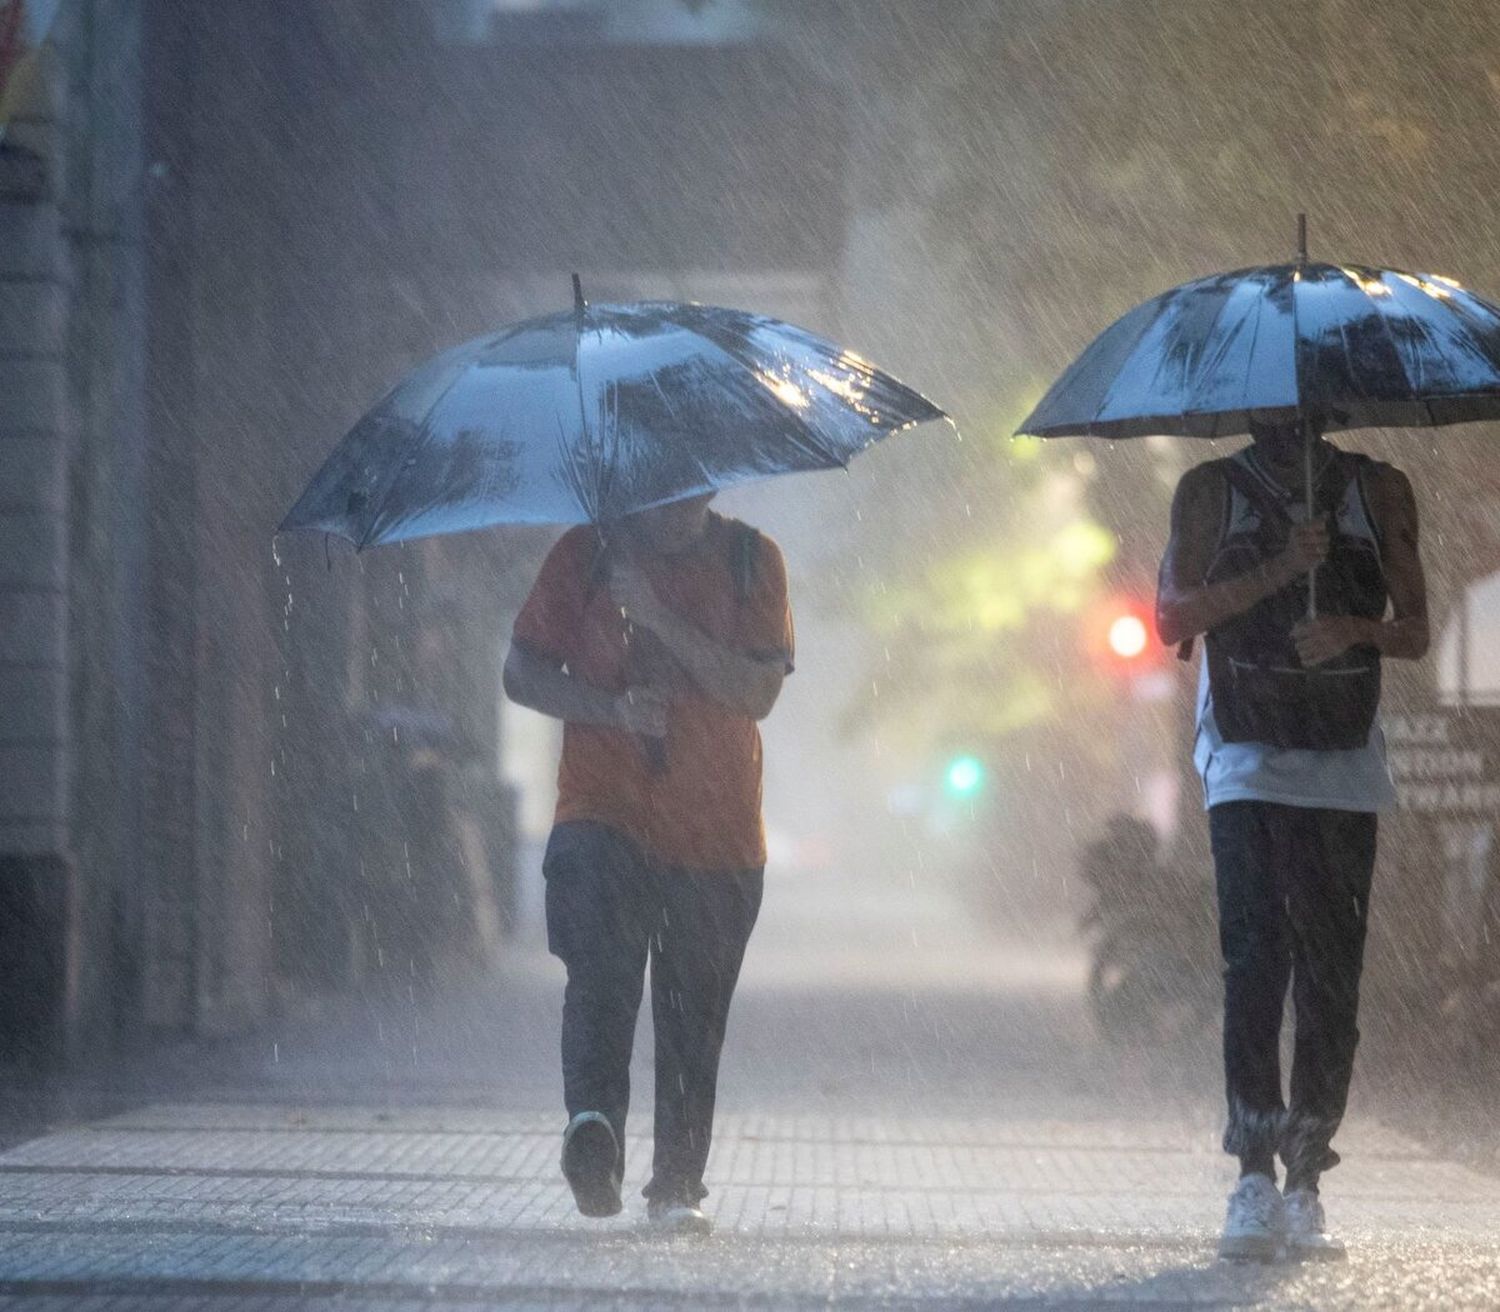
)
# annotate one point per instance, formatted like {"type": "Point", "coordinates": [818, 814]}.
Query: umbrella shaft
{"type": "Point", "coordinates": [1309, 441]}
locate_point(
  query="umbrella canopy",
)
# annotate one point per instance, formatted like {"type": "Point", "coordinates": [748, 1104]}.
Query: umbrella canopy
{"type": "Point", "coordinates": [592, 414]}
{"type": "Point", "coordinates": [1329, 346]}
{"type": "Point", "coordinates": [1341, 346]}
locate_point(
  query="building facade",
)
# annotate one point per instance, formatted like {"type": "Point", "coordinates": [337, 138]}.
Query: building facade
{"type": "Point", "coordinates": [227, 233]}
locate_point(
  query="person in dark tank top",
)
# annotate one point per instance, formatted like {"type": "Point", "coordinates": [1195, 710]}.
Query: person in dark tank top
{"type": "Point", "coordinates": [1293, 764]}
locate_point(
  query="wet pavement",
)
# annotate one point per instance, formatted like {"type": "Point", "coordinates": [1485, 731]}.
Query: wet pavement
{"type": "Point", "coordinates": [911, 1116]}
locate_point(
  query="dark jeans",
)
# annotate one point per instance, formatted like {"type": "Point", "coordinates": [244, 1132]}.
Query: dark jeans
{"type": "Point", "coordinates": [1294, 894]}
{"type": "Point", "coordinates": [608, 910]}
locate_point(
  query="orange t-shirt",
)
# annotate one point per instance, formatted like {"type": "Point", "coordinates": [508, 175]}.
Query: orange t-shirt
{"type": "Point", "coordinates": [701, 809]}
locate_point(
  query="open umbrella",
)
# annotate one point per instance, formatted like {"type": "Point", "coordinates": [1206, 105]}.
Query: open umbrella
{"type": "Point", "coordinates": [589, 415]}
{"type": "Point", "coordinates": [1331, 346]}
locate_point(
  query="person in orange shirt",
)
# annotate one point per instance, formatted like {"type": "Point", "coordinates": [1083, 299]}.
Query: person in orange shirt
{"type": "Point", "coordinates": [660, 646]}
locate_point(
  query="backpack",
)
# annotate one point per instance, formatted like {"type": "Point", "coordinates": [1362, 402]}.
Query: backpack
{"type": "Point", "coordinates": [1261, 691]}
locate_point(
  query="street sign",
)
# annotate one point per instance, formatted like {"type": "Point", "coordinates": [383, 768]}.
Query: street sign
{"type": "Point", "coordinates": [1446, 762]}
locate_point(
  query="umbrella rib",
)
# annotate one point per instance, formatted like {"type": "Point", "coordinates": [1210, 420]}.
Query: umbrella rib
{"type": "Point", "coordinates": [1260, 309]}
{"type": "Point", "coordinates": [672, 415]}
{"type": "Point", "coordinates": [570, 469]}
{"type": "Point", "coordinates": [1478, 317]}
{"type": "Point", "coordinates": [1461, 308]}
{"type": "Point", "coordinates": [608, 469]}
{"type": "Point", "coordinates": [1228, 295]}
{"type": "Point", "coordinates": [594, 510]}
{"type": "Point", "coordinates": [811, 439]}
{"type": "Point", "coordinates": [815, 444]}
{"type": "Point", "coordinates": [424, 431]}
{"type": "Point", "coordinates": [1385, 327]}
{"type": "Point", "coordinates": [1465, 307]}
{"type": "Point", "coordinates": [1149, 322]}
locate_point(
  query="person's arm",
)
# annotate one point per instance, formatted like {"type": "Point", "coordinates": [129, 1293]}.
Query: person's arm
{"type": "Point", "coordinates": [1404, 635]}
{"type": "Point", "coordinates": [532, 680]}
{"type": "Point", "coordinates": [547, 628]}
{"type": "Point", "coordinates": [743, 683]}
{"type": "Point", "coordinates": [1187, 606]}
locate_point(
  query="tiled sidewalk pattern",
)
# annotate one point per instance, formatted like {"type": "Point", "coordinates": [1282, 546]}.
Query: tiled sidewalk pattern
{"type": "Point", "coordinates": [912, 1117]}
{"type": "Point", "coordinates": [257, 1204]}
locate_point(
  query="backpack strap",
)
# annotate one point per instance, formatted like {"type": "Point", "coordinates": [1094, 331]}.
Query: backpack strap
{"type": "Point", "coordinates": [1359, 466]}
{"type": "Point", "coordinates": [598, 566]}
{"type": "Point", "coordinates": [745, 563]}
{"type": "Point", "coordinates": [1226, 505]}
{"type": "Point", "coordinates": [1270, 508]}
{"type": "Point", "coordinates": [1264, 503]}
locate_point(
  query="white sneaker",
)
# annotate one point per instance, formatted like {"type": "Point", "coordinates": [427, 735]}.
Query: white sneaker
{"type": "Point", "coordinates": [1256, 1224]}
{"type": "Point", "coordinates": [677, 1216]}
{"type": "Point", "coordinates": [1307, 1234]}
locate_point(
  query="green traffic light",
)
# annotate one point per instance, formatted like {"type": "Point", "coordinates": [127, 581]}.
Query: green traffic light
{"type": "Point", "coordinates": [965, 776]}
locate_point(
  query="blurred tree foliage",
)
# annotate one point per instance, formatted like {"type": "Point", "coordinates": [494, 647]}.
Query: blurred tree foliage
{"type": "Point", "coordinates": [1072, 157]}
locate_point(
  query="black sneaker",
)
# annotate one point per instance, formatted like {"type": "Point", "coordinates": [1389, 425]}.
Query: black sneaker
{"type": "Point", "coordinates": [677, 1216]}
{"type": "Point", "coordinates": [591, 1164]}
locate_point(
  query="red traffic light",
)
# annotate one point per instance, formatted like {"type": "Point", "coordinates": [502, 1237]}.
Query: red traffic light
{"type": "Point", "coordinates": [1128, 636]}
{"type": "Point", "coordinates": [1120, 635]}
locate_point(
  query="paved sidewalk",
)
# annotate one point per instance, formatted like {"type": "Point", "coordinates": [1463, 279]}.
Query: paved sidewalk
{"type": "Point", "coordinates": [437, 1206]}
{"type": "Point", "coordinates": [929, 1122]}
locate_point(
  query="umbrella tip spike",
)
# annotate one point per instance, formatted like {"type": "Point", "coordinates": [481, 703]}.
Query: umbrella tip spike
{"type": "Point", "coordinates": [1301, 239]}
{"type": "Point", "coordinates": [579, 304]}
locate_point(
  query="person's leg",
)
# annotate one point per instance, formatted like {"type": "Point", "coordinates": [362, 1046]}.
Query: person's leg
{"type": "Point", "coordinates": [1257, 968]}
{"type": "Point", "coordinates": [1328, 899]}
{"type": "Point", "coordinates": [695, 963]}
{"type": "Point", "coordinates": [600, 911]}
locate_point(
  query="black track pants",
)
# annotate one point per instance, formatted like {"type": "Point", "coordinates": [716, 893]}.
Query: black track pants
{"type": "Point", "coordinates": [609, 911]}
{"type": "Point", "coordinates": [1294, 892]}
